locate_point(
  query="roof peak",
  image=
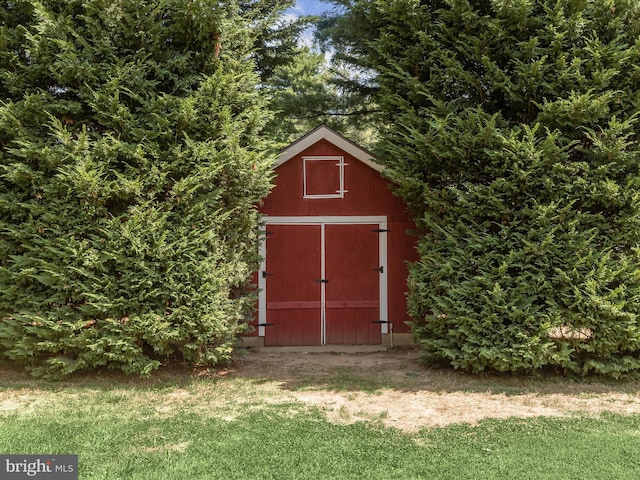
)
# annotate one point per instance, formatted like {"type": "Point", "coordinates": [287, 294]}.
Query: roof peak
{"type": "Point", "coordinates": [322, 132]}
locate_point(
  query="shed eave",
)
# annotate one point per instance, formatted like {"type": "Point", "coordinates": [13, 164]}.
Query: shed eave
{"type": "Point", "coordinates": [325, 133]}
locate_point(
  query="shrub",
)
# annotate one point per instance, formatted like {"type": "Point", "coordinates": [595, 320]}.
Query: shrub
{"type": "Point", "coordinates": [130, 164]}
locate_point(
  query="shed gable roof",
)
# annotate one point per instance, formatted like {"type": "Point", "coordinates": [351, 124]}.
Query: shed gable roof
{"type": "Point", "coordinates": [325, 133]}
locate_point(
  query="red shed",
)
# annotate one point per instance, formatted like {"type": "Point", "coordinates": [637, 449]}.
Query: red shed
{"type": "Point", "coordinates": [334, 259]}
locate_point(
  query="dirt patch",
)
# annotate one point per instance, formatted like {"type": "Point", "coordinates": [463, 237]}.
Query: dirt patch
{"type": "Point", "coordinates": [395, 389]}
{"type": "Point", "coordinates": [390, 388]}
{"type": "Point", "coordinates": [171, 447]}
{"type": "Point", "coordinates": [20, 400]}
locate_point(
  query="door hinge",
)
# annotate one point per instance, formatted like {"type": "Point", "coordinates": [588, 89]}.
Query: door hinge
{"type": "Point", "coordinates": [380, 230]}
{"type": "Point", "coordinates": [266, 274]}
{"type": "Point", "coordinates": [380, 321]}
{"type": "Point", "coordinates": [322, 280]}
{"type": "Point", "coordinates": [379, 269]}
{"type": "Point", "coordinates": [266, 324]}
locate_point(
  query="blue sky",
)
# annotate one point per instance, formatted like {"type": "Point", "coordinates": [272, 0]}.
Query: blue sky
{"type": "Point", "coordinates": [309, 7]}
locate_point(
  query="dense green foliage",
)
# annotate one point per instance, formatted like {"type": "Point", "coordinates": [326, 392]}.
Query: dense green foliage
{"type": "Point", "coordinates": [344, 34]}
{"type": "Point", "coordinates": [299, 93]}
{"type": "Point", "coordinates": [306, 84]}
{"type": "Point", "coordinates": [130, 163]}
{"type": "Point", "coordinates": [276, 37]}
{"type": "Point", "coordinates": [512, 135]}
{"type": "Point", "coordinates": [304, 94]}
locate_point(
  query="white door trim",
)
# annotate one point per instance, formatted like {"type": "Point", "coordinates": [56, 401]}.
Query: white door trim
{"type": "Point", "coordinates": [381, 221]}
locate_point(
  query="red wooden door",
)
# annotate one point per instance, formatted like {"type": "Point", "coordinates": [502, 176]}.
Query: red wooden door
{"type": "Point", "coordinates": [322, 284]}
{"type": "Point", "coordinates": [293, 268]}
{"type": "Point", "coordinates": [352, 295]}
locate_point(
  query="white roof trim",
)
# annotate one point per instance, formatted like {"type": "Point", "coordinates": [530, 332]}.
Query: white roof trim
{"type": "Point", "coordinates": [325, 133]}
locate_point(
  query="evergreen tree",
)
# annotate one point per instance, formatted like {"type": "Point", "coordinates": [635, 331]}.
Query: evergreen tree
{"type": "Point", "coordinates": [304, 87]}
{"type": "Point", "coordinates": [303, 95]}
{"type": "Point", "coordinates": [513, 137]}
{"type": "Point", "coordinates": [131, 160]}
{"type": "Point", "coordinates": [299, 95]}
{"type": "Point", "coordinates": [277, 38]}
{"type": "Point", "coordinates": [343, 34]}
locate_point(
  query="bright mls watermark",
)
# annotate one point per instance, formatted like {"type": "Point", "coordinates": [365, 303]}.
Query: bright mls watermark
{"type": "Point", "coordinates": [46, 467]}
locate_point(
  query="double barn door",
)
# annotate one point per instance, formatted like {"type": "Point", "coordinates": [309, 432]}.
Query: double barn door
{"type": "Point", "coordinates": [322, 284]}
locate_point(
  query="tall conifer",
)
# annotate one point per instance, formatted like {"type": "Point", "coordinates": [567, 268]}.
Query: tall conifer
{"type": "Point", "coordinates": [512, 133]}
{"type": "Point", "coordinates": [130, 163]}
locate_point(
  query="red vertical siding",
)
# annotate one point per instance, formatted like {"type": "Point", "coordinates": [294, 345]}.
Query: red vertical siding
{"type": "Point", "coordinates": [367, 193]}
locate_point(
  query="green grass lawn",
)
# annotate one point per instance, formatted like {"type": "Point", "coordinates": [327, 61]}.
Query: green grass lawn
{"type": "Point", "coordinates": [239, 428]}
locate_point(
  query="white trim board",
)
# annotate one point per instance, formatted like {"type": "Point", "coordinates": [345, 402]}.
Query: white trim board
{"type": "Point", "coordinates": [381, 221]}
{"type": "Point", "coordinates": [325, 133]}
{"type": "Point", "coordinates": [333, 158]}
{"type": "Point", "coordinates": [303, 220]}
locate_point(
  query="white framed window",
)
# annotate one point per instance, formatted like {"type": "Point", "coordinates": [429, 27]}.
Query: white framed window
{"type": "Point", "coordinates": [323, 177]}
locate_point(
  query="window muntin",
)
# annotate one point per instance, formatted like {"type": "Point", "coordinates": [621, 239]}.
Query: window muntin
{"type": "Point", "coordinates": [323, 177]}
